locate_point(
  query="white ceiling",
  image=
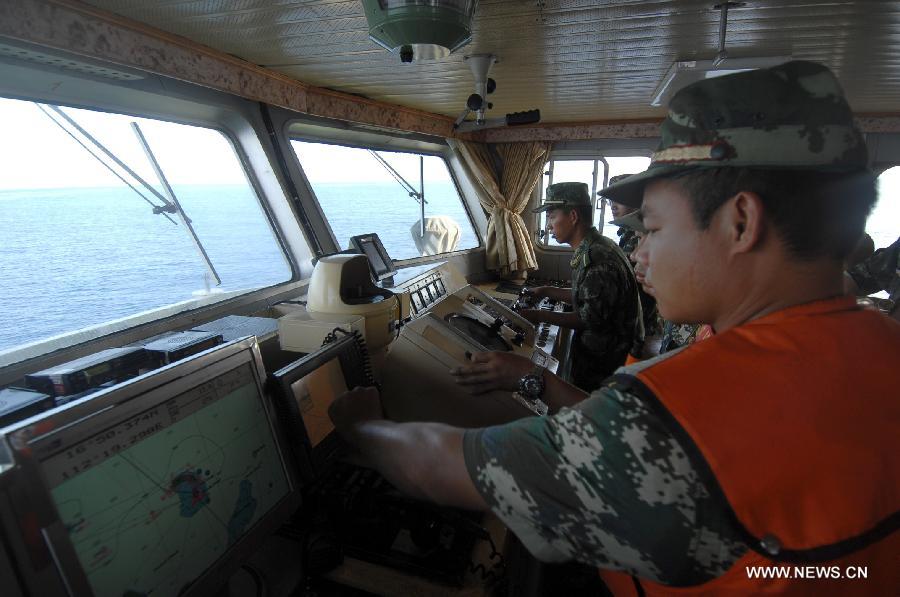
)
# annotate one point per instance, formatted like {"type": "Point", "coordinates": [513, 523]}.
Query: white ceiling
{"type": "Point", "coordinates": [576, 60]}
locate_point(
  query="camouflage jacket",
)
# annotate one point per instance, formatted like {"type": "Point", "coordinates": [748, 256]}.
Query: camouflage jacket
{"type": "Point", "coordinates": [604, 294]}
{"type": "Point", "coordinates": [881, 271]}
{"type": "Point", "coordinates": [628, 242]}
{"type": "Point", "coordinates": [676, 335]}
{"type": "Point", "coordinates": [606, 483]}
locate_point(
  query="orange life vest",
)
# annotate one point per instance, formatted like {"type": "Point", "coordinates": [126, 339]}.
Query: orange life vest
{"type": "Point", "coordinates": [797, 417]}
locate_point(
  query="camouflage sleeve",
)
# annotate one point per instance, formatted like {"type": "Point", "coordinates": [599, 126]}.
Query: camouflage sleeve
{"type": "Point", "coordinates": [878, 272]}
{"type": "Point", "coordinates": [607, 484]}
{"type": "Point", "coordinates": [676, 335]}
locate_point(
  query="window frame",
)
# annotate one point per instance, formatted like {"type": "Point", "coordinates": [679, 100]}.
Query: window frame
{"type": "Point", "coordinates": [586, 150]}
{"type": "Point", "coordinates": [892, 235]}
{"type": "Point", "coordinates": [389, 148]}
{"type": "Point", "coordinates": [158, 98]}
{"type": "Point", "coordinates": [544, 240]}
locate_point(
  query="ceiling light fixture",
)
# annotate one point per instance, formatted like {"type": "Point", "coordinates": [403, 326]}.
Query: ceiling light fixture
{"type": "Point", "coordinates": [420, 29]}
{"type": "Point", "coordinates": [684, 72]}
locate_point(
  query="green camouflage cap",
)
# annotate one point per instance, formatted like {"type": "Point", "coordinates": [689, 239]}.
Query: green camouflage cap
{"type": "Point", "coordinates": [613, 180]}
{"type": "Point", "coordinates": [792, 116]}
{"type": "Point", "coordinates": [633, 220]}
{"type": "Point", "coordinates": [565, 194]}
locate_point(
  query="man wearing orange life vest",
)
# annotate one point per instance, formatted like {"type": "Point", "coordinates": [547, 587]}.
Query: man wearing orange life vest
{"type": "Point", "coordinates": [772, 443]}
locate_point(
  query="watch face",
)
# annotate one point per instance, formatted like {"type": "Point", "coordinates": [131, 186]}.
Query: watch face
{"type": "Point", "coordinates": [532, 386]}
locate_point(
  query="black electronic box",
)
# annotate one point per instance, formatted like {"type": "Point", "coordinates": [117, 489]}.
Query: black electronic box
{"type": "Point", "coordinates": [175, 346]}
{"type": "Point", "coordinates": [112, 364]}
{"type": "Point", "coordinates": [20, 403]}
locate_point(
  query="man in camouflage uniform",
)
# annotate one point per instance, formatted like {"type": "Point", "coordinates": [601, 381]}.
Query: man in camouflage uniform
{"type": "Point", "coordinates": [661, 335]}
{"type": "Point", "coordinates": [881, 271]}
{"type": "Point", "coordinates": [628, 238]}
{"type": "Point", "coordinates": [630, 231]}
{"type": "Point", "coordinates": [676, 335]}
{"type": "Point", "coordinates": [606, 315]}
{"type": "Point", "coordinates": [615, 479]}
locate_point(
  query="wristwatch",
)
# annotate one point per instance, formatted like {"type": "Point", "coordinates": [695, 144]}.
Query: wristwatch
{"type": "Point", "coordinates": [532, 386]}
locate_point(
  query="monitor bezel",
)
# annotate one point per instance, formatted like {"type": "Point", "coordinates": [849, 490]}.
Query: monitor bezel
{"type": "Point", "coordinates": [33, 440]}
{"type": "Point", "coordinates": [356, 243]}
{"type": "Point", "coordinates": [280, 384]}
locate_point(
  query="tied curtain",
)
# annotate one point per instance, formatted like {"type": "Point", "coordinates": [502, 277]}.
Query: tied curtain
{"type": "Point", "coordinates": [506, 174]}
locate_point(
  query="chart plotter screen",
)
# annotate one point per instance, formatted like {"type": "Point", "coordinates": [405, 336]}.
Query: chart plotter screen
{"type": "Point", "coordinates": [153, 501]}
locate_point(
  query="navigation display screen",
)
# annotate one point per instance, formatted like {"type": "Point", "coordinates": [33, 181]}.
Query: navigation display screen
{"type": "Point", "coordinates": [153, 501]}
{"type": "Point", "coordinates": [371, 252]}
{"type": "Point", "coordinates": [314, 393]}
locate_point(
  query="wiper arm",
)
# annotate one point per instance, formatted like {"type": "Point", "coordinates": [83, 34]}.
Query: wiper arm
{"type": "Point", "coordinates": [167, 206]}
{"type": "Point", "coordinates": [418, 196]}
{"type": "Point", "coordinates": [173, 201]}
{"type": "Point", "coordinates": [156, 208]}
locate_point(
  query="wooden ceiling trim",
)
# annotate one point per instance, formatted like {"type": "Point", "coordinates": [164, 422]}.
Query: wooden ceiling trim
{"type": "Point", "coordinates": [636, 129]}
{"type": "Point", "coordinates": [878, 123]}
{"type": "Point", "coordinates": [87, 31]}
{"type": "Point", "coordinates": [641, 129]}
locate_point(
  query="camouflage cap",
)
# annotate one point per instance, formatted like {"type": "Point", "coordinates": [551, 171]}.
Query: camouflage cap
{"type": "Point", "coordinates": [613, 180]}
{"type": "Point", "coordinates": [565, 194]}
{"type": "Point", "coordinates": [792, 116]}
{"type": "Point", "coordinates": [633, 220]}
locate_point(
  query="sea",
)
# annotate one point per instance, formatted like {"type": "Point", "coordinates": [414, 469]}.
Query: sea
{"type": "Point", "coordinates": [72, 258]}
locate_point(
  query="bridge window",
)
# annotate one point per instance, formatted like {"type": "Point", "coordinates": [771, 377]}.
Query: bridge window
{"type": "Point", "coordinates": [86, 243]}
{"type": "Point", "coordinates": [595, 172]}
{"type": "Point", "coordinates": [883, 224]}
{"type": "Point", "coordinates": [362, 191]}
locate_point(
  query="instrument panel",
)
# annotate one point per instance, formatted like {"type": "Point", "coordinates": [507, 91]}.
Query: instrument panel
{"type": "Point", "coordinates": [425, 292]}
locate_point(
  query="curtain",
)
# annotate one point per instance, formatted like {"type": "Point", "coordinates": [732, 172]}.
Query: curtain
{"type": "Point", "coordinates": [506, 173]}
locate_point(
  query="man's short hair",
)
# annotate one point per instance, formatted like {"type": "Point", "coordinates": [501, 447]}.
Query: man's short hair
{"type": "Point", "coordinates": [585, 214]}
{"type": "Point", "coordinates": [816, 214]}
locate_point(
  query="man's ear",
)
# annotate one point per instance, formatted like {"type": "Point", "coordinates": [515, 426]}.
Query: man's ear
{"type": "Point", "coordinates": [744, 221]}
{"type": "Point", "coordinates": [574, 216]}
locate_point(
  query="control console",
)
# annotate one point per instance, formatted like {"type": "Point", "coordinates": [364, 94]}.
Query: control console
{"type": "Point", "coordinates": [548, 334]}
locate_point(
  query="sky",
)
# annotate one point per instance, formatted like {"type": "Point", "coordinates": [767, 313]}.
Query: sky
{"type": "Point", "coordinates": [36, 153]}
{"type": "Point", "coordinates": [328, 164]}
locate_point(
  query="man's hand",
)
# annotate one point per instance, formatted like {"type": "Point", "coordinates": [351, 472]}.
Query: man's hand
{"type": "Point", "coordinates": [532, 315]}
{"type": "Point", "coordinates": [538, 292]}
{"type": "Point", "coordinates": [359, 405]}
{"type": "Point", "coordinates": [492, 371]}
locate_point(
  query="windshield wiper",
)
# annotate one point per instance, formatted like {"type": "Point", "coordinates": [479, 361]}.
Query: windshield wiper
{"type": "Point", "coordinates": [419, 195]}
{"type": "Point", "coordinates": [156, 208]}
{"type": "Point", "coordinates": [170, 204]}
{"type": "Point", "coordinates": [167, 206]}
{"type": "Point", "coordinates": [174, 202]}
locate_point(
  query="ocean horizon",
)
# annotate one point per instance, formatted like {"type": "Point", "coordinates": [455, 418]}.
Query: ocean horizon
{"type": "Point", "coordinates": [77, 257]}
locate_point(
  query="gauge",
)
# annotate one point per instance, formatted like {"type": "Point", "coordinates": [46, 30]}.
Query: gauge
{"type": "Point", "coordinates": [417, 302]}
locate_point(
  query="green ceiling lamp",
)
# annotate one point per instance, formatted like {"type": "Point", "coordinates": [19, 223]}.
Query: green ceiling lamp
{"type": "Point", "coordinates": [420, 29]}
